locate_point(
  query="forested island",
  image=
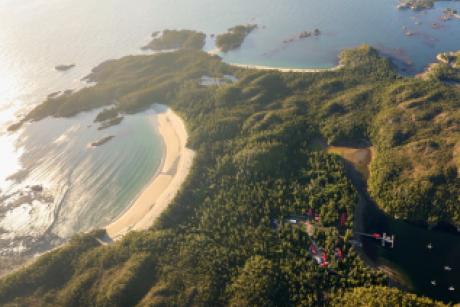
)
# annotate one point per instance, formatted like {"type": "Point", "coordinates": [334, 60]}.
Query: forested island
{"type": "Point", "coordinates": [226, 239]}
{"type": "Point", "coordinates": [418, 5]}
{"type": "Point", "coordinates": [234, 37]}
{"type": "Point", "coordinates": [176, 39]}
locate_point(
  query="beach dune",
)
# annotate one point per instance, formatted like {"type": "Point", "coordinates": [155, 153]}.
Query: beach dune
{"type": "Point", "coordinates": [158, 194]}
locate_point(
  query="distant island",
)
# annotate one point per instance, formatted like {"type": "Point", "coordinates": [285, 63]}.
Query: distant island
{"type": "Point", "coordinates": [176, 39]}
{"type": "Point", "coordinates": [418, 5]}
{"type": "Point", "coordinates": [64, 67]}
{"type": "Point", "coordinates": [234, 37]}
{"type": "Point", "coordinates": [415, 5]}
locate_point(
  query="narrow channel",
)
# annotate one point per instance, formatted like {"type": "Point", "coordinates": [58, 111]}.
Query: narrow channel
{"type": "Point", "coordinates": [422, 260]}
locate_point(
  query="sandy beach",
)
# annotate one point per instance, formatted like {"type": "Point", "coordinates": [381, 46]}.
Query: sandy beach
{"type": "Point", "coordinates": [286, 69]}
{"type": "Point", "coordinates": [158, 194]}
{"type": "Point", "coordinates": [217, 51]}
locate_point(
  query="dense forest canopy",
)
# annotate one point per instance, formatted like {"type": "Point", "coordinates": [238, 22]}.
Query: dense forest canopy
{"type": "Point", "coordinates": [257, 163]}
{"type": "Point", "coordinates": [374, 296]}
{"type": "Point", "coordinates": [234, 37]}
{"type": "Point", "coordinates": [177, 39]}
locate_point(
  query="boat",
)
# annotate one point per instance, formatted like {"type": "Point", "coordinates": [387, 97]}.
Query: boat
{"type": "Point", "coordinates": [447, 268]}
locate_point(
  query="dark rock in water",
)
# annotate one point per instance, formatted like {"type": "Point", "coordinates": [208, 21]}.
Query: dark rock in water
{"type": "Point", "coordinates": [64, 67]}
{"type": "Point", "coordinates": [305, 34]}
{"type": "Point", "coordinates": [409, 33]}
{"type": "Point", "coordinates": [37, 188]}
{"type": "Point", "coordinates": [102, 141]}
{"type": "Point", "coordinates": [156, 33]}
{"type": "Point", "coordinates": [289, 40]}
{"type": "Point", "coordinates": [111, 122]}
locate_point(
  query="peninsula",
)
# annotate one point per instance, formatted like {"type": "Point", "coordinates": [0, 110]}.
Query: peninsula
{"type": "Point", "coordinates": [256, 173]}
{"type": "Point", "coordinates": [447, 68]}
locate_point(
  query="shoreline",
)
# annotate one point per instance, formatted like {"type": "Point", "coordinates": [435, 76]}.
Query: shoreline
{"type": "Point", "coordinates": [218, 52]}
{"type": "Point", "coordinates": [160, 191]}
{"type": "Point", "coordinates": [286, 69]}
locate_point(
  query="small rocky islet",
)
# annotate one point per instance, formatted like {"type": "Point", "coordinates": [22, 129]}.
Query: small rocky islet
{"type": "Point", "coordinates": [304, 34]}
{"type": "Point", "coordinates": [64, 67]}
{"type": "Point", "coordinates": [102, 141]}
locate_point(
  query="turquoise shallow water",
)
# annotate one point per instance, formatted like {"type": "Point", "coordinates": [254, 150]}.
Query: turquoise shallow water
{"type": "Point", "coordinates": [84, 186]}
{"type": "Point", "coordinates": [89, 187]}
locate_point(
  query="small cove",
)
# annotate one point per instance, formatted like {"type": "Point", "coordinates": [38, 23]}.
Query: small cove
{"type": "Point", "coordinates": [411, 263]}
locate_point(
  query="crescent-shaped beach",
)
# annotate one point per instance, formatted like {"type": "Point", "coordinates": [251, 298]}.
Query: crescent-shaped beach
{"type": "Point", "coordinates": [174, 168]}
